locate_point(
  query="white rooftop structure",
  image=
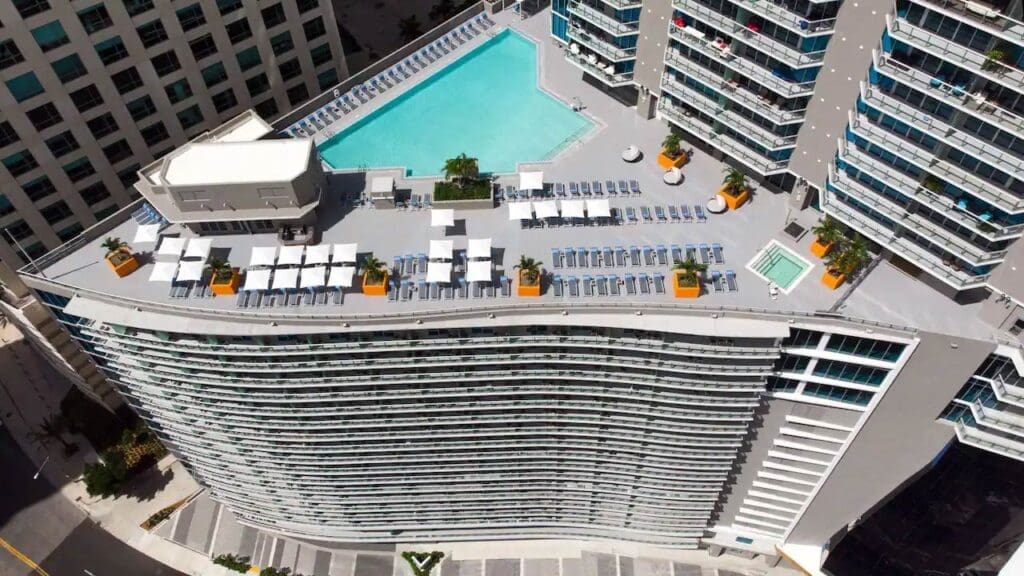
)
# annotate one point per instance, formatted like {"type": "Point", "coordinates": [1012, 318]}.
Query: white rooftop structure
{"type": "Point", "coordinates": [246, 127]}
{"type": "Point", "coordinates": [147, 233]}
{"type": "Point", "coordinates": [439, 272]}
{"type": "Point", "coordinates": [172, 246]}
{"type": "Point", "coordinates": [441, 249]}
{"type": "Point", "coordinates": [382, 186]}
{"type": "Point", "coordinates": [263, 256]}
{"type": "Point", "coordinates": [345, 252]}
{"type": "Point", "coordinates": [546, 209]}
{"type": "Point", "coordinates": [572, 209]}
{"type": "Point", "coordinates": [257, 279]}
{"type": "Point", "coordinates": [163, 271]}
{"type": "Point", "coordinates": [479, 248]}
{"type": "Point", "coordinates": [285, 278]}
{"type": "Point", "coordinates": [531, 180]}
{"type": "Point", "coordinates": [479, 271]}
{"type": "Point", "coordinates": [520, 211]}
{"type": "Point", "coordinates": [319, 254]}
{"type": "Point", "coordinates": [442, 217]}
{"type": "Point", "coordinates": [290, 255]}
{"type": "Point", "coordinates": [341, 276]}
{"type": "Point", "coordinates": [212, 163]}
{"type": "Point", "coordinates": [598, 208]}
{"type": "Point", "coordinates": [313, 277]}
{"type": "Point", "coordinates": [190, 271]}
{"type": "Point", "coordinates": [198, 248]}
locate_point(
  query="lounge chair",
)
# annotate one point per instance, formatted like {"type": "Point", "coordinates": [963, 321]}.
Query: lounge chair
{"type": "Point", "coordinates": [630, 285]}
{"type": "Point", "coordinates": [716, 280]}
{"type": "Point", "coordinates": [595, 257]}
{"type": "Point", "coordinates": [613, 285]}
{"type": "Point", "coordinates": [623, 187]}
{"type": "Point", "coordinates": [242, 300]}
{"type": "Point", "coordinates": [422, 290]}
{"type": "Point", "coordinates": [602, 286]}
{"type": "Point", "coordinates": [581, 258]}
{"type": "Point", "coordinates": [620, 256]}
{"type": "Point", "coordinates": [490, 289]}
{"type": "Point", "coordinates": [556, 284]}
{"type": "Point", "coordinates": [399, 266]}
{"type": "Point", "coordinates": [716, 251]}
{"type": "Point", "coordinates": [699, 211]}
{"type": "Point", "coordinates": [463, 291]}
{"type": "Point", "coordinates": [511, 193]}
{"type": "Point", "coordinates": [617, 216]}
{"type": "Point", "coordinates": [705, 253]}
{"type": "Point", "coordinates": [645, 283]}
{"type": "Point", "coordinates": [339, 296]}
{"type": "Point", "coordinates": [691, 252]}
{"type": "Point", "coordinates": [631, 215]}
{"type": "Point", "coordinates": [448, 292]}
{"type": "Point", "coordinates": [634, 256]}
{"type": "Point", "coordinates": [574, 189]}
{"type": "Point", "coordinates": [659, 283]}
{"type": "Point", "coordinates": [410, 266]}
{"type": "Point", "coordinates": [506, 286]}
{"type": "Point", "coordinates": [406, 289]}
{"type": "Point", "coordinates": [596, 185]}
{"type": "Point", "coordinates": [394, 76]}
{"type": "Point", "coordinates": [645, 212]}
{"type": "Point", "coordinates": [427, 199]}
{"type": "Point", "coordinates": [574, 287]}
{"type": "Point", "coordinates": [559, 189]}
{"type": "Point", "coordinates": [570, 258]}
{"type": "Point", "coordinates": [588, 286]}
{"type": "Point", "coordinates": [662, 253]}
{"type": "Point", "coordinates": [673, 213]}
{"type": "Point", "coordinates": [686, 212]}
{"type": "Point", "coordinates": [421, 263]}
{"type": "Point", "coordinates": [659, 212]}
{"type": "Point", "coordinates": [634, 187]}
{"type": "Point", "coordinates": [609, 186]}
{"type": "Point", "coordinates": [649, 256]}
{"type": "Point", "coordinates": [435, 291]}
{"type": "Point", "coordinates": [677, 253]}
{"type": "Point", "coordinates": [393, 292]}
{"type": "Point", "coordinates": [609, 260]}
{"type": "Point", "coordinates": [585, 188]}
{"type": "Point", "coordinates": [478, 290]}
{"type": "Point", "coordinates": [556, 258]}
{"type": "Point", "coordinates": [419, 61]}
{"type": "Point", "coordinates": [730, 280]}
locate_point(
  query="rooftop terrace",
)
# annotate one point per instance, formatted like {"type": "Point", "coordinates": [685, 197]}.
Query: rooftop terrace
{"type": "Point", "coordinates": [886, 294]}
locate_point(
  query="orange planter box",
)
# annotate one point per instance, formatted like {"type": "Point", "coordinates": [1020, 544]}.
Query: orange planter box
{"type": "Point", "coordinates": [667, 162]}
{"type": "Point", "coordinates": [376, 289]}
{"type": "Point", "coordinates": [527, 289]}
{"type": "Point", "coordinates": [124, 267]}
{"type": "Point", "coordinates": [831, 280]}
{"type": "Point", "coordinates": [820, 249]}
{"type": "Point", "coordinates": [226, 288]}
{"type": "Point", "coordinates": [684, 291]}
{"type": "Point", "coordinates": [733, 202]}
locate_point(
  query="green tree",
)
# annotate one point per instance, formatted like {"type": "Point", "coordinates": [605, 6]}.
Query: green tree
{"type": "Point", "coordinates": [105, 478]}
{"type": "Point", "coordinates": [461, 169]}
{"type": "Point", "coordinates": [671, 145]}
{"type": "Point", "coordinates": [530, 268]}
{"type": "Point", "coordinates": [232, 562]}
{"type": "Point", "coordinates": [410, 28]}
{"type": "Point", "coordinates": [735, 181]}
{"type": "Point", "coordinates": [219, 268]}
{"type": "Point", "coordinates": [688, 271]}
{"type": "Point", "coordinates": [828, 231]}
{"type": "Point", "coordinates": [114, 244]}
{"type": "Point", "coordinates": [374, 269]}
{"type": "Point", "coordinates": [853, 255]}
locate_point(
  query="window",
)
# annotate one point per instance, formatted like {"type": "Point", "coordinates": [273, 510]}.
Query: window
{"type": "Point", "coordinates": [1018, 326]}
{"type": "Point", "coordinates": [19, 230]}
{"type": "Point", "coordinates": [141, 108]}
{"type": "Point", "coordinates": [327, 78]}
{"type": "Point", "coordinates": [20, 162]}
{"type": "Point", "coordinates": [69, 232]}
{"type": "Point", "coordinates": [228, 6]}
{"type": "Point", "coordinates": [225, 100]}
{"type": "Point", "coordinates": [307, 5]}
{"type": "Point", "coordinates": [273, 15]}
{"type": "Point", "coordinates": [44, 116]}
{"type": "Point", "coordinates": [24, 87]}
{"type": "Point", "coordinates": [290, 69]}
{"type": "Point", "coordinates": [214, 74]}
{"type": "Point", "coordinates": [50, 36]}
{"type": "Point", "coordinates": [314, 28]}
{"type": "Point", "coordinates": [39, 188]}
{"type": "Point", "coordinates": [202, 47]}
{"type": "Point", "coordinates": [9, 54]}
{"type": "Point", "coordinates": [865, 347]}
{"type": "Point", "coordinates": [86, 98]}
{"type": "Point", "coordinates": [95, 18]}
{"type": "Point", "coordinates": [62, 143]}
{"type": "Point", "coordinates": [102, 125]}
{"type": "Point", "coordinates": [838, 394]}
{"type": "Point", "coordinates": [321, 54]}
{"type": "Point", "coordinates": [103, 213]}
{"type": "Point", "coordinates": [238, 30]}
{"type": "Point", "coordinates": [111, 50]}
{"type": "Point", "coordinates": [7, 134]}
{"type": "Point", "coordinates": [5, 206]}
{"type": "Point", "coordinates": [155, 134]}
{"type": "Point", "coordinates": [94, 194]}
{"type": "Point", "coordinates": [191, 17]}
{"type": "Point", "coordinates": [189, 117]}
{"type": "Point", "coordinates": [69, 68]}
{"type": "Point", "coordinates": [850, 372]}
{"type": "Point", "coordinates": [127, 80]}
{"type": "Point", "coordinates": [777, 384]}
{"type": "Point", "coordinates": [791, 363]}
{"type": "Point", "coordinates": [79, 169]}
{"type": "Point", "coordinates": [297, 94]}
{"type": "Point", "coordinates": [118, 151]}
{"type": "Point", "coordinates": [248, 58]}
{"type": "Point", "coordinates": [29, 7]}
{"type": "Point", "coordinates": [266, 109]}
{"type": "Point", "coordinates": [55, 212]}
{"type": "Point", "coordinates": [178, 91]}
{"type": "Point", "coordinates": [281, 43]}
{"type": "Point", "coordinates": [136, 7]}
{"type": "Point", "coordinates": [152, 33]}
{"type": "Point", "coordinates": [165, 63]}
{"type": "Point", "coordinates": [257, 84]}
{"type": "Point", "coordinates": [129, 176]}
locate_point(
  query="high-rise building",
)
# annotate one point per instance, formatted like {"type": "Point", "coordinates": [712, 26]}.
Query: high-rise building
{"type": "Point", "coordinates": [92, 91]}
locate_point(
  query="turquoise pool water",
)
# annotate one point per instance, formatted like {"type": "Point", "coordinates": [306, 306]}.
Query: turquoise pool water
{"type": "Point", "coordinates": [485, 104]}
{"type": "Point", "coordinates": [780, 266]}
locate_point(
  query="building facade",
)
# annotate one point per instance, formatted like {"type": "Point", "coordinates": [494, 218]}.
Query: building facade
{"type": "Point", "coordinates": [94, 90]}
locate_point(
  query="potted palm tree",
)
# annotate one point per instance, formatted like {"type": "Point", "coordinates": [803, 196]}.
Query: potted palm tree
{"type": "Point", "coordinates": [529, 276]}
{"type": "Point", "coordinates": [462, 180]}
{"type": "Point", "coordinates": [224, 279]}
{"type": "Point", "coordinates": [686, 278]}
{"type": "Point", "coordinates": [375, 277]}
{"type": "Point", "coordinates": [672, 155]}
{"type": "Point", "coordinates": [827, 234]}
{"type": "Point", "coordinates": [735, 189]}
{"type": "Point", "coordinates": [120, 257]}
{"type": "Point", "coordinates": [844, 261]}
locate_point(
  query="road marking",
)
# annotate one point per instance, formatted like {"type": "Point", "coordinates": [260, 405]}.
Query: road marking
{"type": "Point", "coordinates": [21, 557]}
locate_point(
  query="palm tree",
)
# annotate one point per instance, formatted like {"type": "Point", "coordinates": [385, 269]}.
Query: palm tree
{"type": "Point", "coordinates": [219, 269]}
{"type": "Point", "coordinates": [530, 269]}
{"type": "Point", "coordinates": [688, 270]}
{"type": "Point", "coordinates": [374, 269]}
{"type": "Point", "coordinates": [114, 244]}
{"type": "Point", "coordinates": [409, 28]}
{"type": "Point", "coordinates": [852, 256]}
{"type": "Point", "coordinates": [671, 145]}
{"type": "Point", "coordinates": [461, 169]}
{"type": "Point", "coordinates": [735, 181]}
{"type": "Point", "coordinates": [828, 231]}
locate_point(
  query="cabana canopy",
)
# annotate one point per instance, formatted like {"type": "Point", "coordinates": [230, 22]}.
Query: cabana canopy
{"type": "Point", "coordinates": [439, 272]}
{"type": "Point", "coordinates": [319, 254]}
{"type": "Point", "coordinates": [479, 248]}
{"type": "Point", "coordinates": [313, 276]}
{"type": "Point", "coordinates": [345, 252]}
{"type": "Point", "coordinates": [599, 208]}
{"type": "Point", "coordinates": [163, 271]}
{"type": "Point", "coordinates": [341, 276]}
{"type": "Point", "coordinates": [190, 271]}
{"type": "Point", "coordinates": [572, 208]}
{"type": "Point", "coordinates": [263, 256]}
{"type": "Point", "coordinates": [290, 255]}
{"type": "Point", "coordinates": [257, 280]}
{"type": "Point", "coordinates": [531, 180]}
{"type": "Point", "coordinates": [285, 278]}
{"type": "Point", "coordinates": [172, 246]}
{"type": "Point", "coordinates": [440, 250]}
{"type": "Point", "coordinates": [198, 248]}
{"type": "Point", "coordinates": [442, 217]}
{"type": "Point", "coordinates": [147, 233]}
{"type": "Point", "coordinates": [382, 187]}
{"type": "Point", "coordinates": [479, 271]}
{"type": "Point", "coordinates": [520, 211]}
{"type": "Point", "coordinates": [546, 209]}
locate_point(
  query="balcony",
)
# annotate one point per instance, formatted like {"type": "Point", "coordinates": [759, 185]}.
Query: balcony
{"type": "Point", "coordinates": [606, 22]}
{"type": "Point", "coordinates": [987, 441]}
{"type": "Point", "coordinates": [601, 46]}
{"type": "Point", "coordinates": [610, 78]}
{"type": "Point", "coordinates": [623, 4]}
{"type": "Point", "coordinates": [1007, 393]}
{"type": "Point", "coordinates": [780, 15]}
{"type": "Point", "coordinates": [981, 16]}
{"type": "Point", "coordinates": [989, 417]}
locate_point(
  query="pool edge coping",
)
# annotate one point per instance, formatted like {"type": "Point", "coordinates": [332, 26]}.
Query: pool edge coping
{"type": "Point", "coordinates": [800, 277]}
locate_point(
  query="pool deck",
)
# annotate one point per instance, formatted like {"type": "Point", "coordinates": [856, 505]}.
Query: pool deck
{"type": "Point", "coordinates": [886, 294]}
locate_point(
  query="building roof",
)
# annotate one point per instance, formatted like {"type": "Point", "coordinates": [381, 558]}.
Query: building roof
{"type": "Point", "coordinates": [212, 163]}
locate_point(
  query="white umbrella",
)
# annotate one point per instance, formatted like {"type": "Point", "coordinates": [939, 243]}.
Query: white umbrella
{"type": "Point", "coordinates": [441, 250]}
{"type": "Point", "coordinates": [263, 256]}
{"type": "Point", "coordinates": [341, 276]}
{"type": "Point", "coordinates": [147, 233]}
{"type": "Point", "coordinates": [198, 248]}
{"type": "Point", "coordinates": [546, 209]}
{"type": "Point", "coordinates": [163, 271]}
{"type": "Point", "coordinates": [190, 271]}
{"type": "Point", "coordinates": [257, 279]}
{"type": "Point", "coordinates": [345, 252]}
{"type": "Point", "coordinates": [479, 248]}
{"type": "Point", "coordinates": [172, 246]}
{"type": "Point", "coordinates": [285, 278]}
{"type": "Point", "coordinates": [598, 208]}
{"type": "Point", "coordinates": [572, 208]}
{"type": "Point", "coordinates": [531, 180]}
{"type": "Point", "coordinates": [290, 255]}
{"type": "Point", "coordinates": [313, 276]}
{"type": "Point", "coordinates": [319, 254]}
{"type": "Point", "coordinates": [479, 271]}
{"type": "Point", "coordinates": [520, 211]}
{"type": "Point", "coordinates": [439, 272]}
{"type": "Point", "coordinates": [442, 217]}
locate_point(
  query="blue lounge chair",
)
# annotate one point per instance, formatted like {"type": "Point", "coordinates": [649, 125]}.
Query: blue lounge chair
{"type": "Point", "coordinates": [602, 285]}
{"type": "Point", "coordinates": [648, 256]}
{"type": "Point", "coordinates": [595, 257]}
{"type": "Point", "coordinates": [585, 188]}
{"type": "Point", "coordinates": [613, 285]}
{"type": "Point", "coordinates": [673, 213]}
{"type": "Point", "coordinates": [394, 76]}
{"type": "Point", "coordinates": [631, 215]}
{"type": "Point", "coordinates": [620, 256]}
{"type": "Point", "coordinates": [730, 280]}
{"type": "Point", "coordinates": [581, 258]}
{"type": "Point", "coordinates": [574, 287]}
{"type": "Point", "coordinates": [691, 252]}
{"type": "Point", "coordinates": [609, 260]}
{"type": "Point", "coordinates": [570, 258]}
{"type": "Point", "coordinates": [574, 189]}
{"type": "Point", "coordinates": [716, 280]}
{"type": "Point", "coordinates": [596, 186]}
{"type": "Point", "coordinates": [559, 189]}
{"type": "Point", "coordinates": [506, 286]}
{"type": "Point", "coordinates": [393, 291]}
{"type": "Point", "coordinates": [699, 211]}
{"type": "Point", "coordinates": [645, 283]}
{"type": "Point", "coordinates": [617, 215]}
{"type": "Point", "coordinates": [556, 285]}
{"type": "Point", "coordinates": [556, 258]}
{"type": "Point", "coordinates": [399, 265]}
{"type": "Point", "coordinates": [677, 253]}
{"type": "Point", "coordinates": [634, 187]}
{"type": "Point", "coordinates": [610, 187]}
{"type": "Point", "coordinates": [588, 286]}
{"type": "Point", "coordinates": [435, 291]}
{"type": "Point", "coordinates": [659, 212]}
{"type": "Point", "coordinates": [421, 289]}
{"type": "Point", "coordinates": [645, 212]}
{"type": "Point", "coordinates": [630, 285]}
{"type": "Point", "coordinates": [634, 256]}
{"type": "Point", "coordinates": [659, 283]}
{"type": "Point", "coordinates": [686, 212]}
{"type": "Point", "coordinates": [623, 187]}
{"type": "Point", "coordinates": [705, 253]}
{"type": "Point", "coordinates": [662, 253]}
{"type": "Point", "coordinates": [716, 251]}
{"type": "Point", "coordinates": [463, 289]}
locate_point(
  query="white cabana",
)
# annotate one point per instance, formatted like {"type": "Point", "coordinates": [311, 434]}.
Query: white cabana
{"type": "Point", "coordinates": [319, 254]}
{"type": "Point", "coordinates": [263, 256]}
{"type": "Point", "coordinates": [441, 250]}
{"type": "Point", "coordinates": [198, 248]}
{"type": "Point", "coordinates": [257, 279]}
{"type": "Point", "coordinates": [546, 209]}
{"type": "Point", "coordinates": [479, 248]}
{"type": "Point", "coordinates": [382, 187]}
{"type": "Point", "coordinates": [572, 208]}
{"type": "Point", "coordinates": [439, 272]}
{"type": "Point", "coordinates": [479, 271]}
{"type": "Point", "coordinates": [673, 176]}
{"type": "Point", "coordinates": [313, 276]}
{"type": "Point", "coordinates": [147, 233]}
{"type": "Point", "coordinates": [345, 252]}
{"type": "Point", "coordinates": [531, 180]}
{"type": "Point", "coordinates": [341, 276]}
{"type": "Point", "coordinates": [520, 211]}
{"type": "Point", "coordinates": [190, 271]}
{"type": "Point", "coordinates": [285, 278]}
{"type": "Point", "coordinates": [599, 208]}
{"type": "Point", "coordinates": [442, 217]}
{"type": "Point", "coordinates": [631, 153]}
{"type": "Point", "coordinates": [290, 255]}
{"type": "Point", "coordinates": [172, 246]}
{"type": "Point", "coordinates": [163, 271]}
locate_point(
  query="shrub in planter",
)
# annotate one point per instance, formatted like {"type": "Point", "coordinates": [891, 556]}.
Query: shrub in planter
{"type": "Point", "coordinates": [224, 279]}
{"type": "Point", "coordinates": [686, 278]}
{"type": "Point", "coordinates": [735, 189]}
{"type": "Point", "coordinates": [232, 562]}
{"type": "Point", "coordinates": [375, 277]}
{"type": "Point", "coordinates": [119, 256]}
{"type": "Point", "coordinates": [529, 276]}
{"type": "Point", "coordinates": [672, 155]}
{"type": "Point", "coordinates": [827, 234]}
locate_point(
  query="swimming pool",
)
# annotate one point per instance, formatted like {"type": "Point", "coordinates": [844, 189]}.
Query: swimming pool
{"type": "Point", "coordinates": [779, 265]}
{"type": "Point", "coordinates": [486, 104]}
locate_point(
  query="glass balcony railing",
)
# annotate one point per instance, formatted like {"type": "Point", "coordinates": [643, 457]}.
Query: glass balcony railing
{"type": "Point", "coordinates": [982, 16]}
{"type": "Point", "coordinates": [777, 13]}
{"type": "Point", "coordinates": [990, 442]}
{"type": "Point", "coordinates": [600, 46]}
{"type": "Point", "coordinates": [605, 74]}
{"type": "Point", "coordinates": [604, 21]}
{"type": "Point", "coordinates": [1006, 422]}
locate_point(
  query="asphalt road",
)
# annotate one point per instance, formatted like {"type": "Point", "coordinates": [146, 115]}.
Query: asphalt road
{"type": "Point", "coordinates": [44, 528]}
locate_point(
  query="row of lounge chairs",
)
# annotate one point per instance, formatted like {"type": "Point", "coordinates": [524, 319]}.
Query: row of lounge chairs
{"type": "Point", "coordinates": [574, 190]}
{"type": "Point", "coordinates": [295, 298]}
{"type": "Point", "coordinates": [406, 290]}
{"type": "Point", "coordinates": [410, 265]}
{"type": "Point", "coordinates": [606, 257]}
{"type": "Point", "coordinates": [659, 214]}
{"type": "Point", "coordinates": [610, 285]}
{"type": "Point", "coordinates": [722, 283]}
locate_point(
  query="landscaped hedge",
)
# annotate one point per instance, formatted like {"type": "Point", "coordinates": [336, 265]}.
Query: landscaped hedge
{"type": "Point", "coordinates": [232, 562]}
{"type": "Point", "coordinates": [476, 190]}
